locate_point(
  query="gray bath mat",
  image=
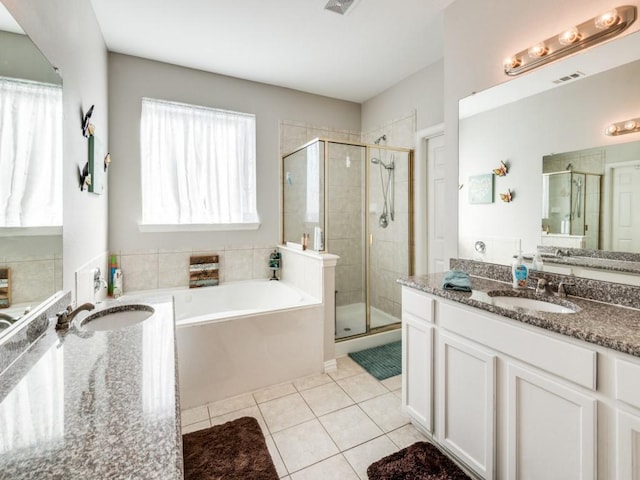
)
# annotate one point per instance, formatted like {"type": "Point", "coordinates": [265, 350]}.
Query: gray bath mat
{"type": "Point", "coordinates": [382, 362]}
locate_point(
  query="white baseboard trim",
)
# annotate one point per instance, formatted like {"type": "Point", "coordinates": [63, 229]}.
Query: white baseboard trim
{"type": "Point", "coordinates": [330, 366]}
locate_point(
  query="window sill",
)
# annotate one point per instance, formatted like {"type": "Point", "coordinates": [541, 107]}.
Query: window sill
{"type": "Point", "coordinates": [197, 227]}
{"type": "Point", "coordinates": [30, 231]}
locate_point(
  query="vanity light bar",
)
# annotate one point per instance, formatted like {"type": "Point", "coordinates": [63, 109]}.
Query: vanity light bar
{"type": "Point", "coordinates": [591, 32]}
{"type": "Point", "coordinates": [621, 128]}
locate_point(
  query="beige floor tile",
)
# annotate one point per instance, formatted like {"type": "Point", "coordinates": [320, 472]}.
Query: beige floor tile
{"type": "Point", "coordinates": [245, 412]}
{"type": "Point", "coordinates": [362, 387]}
{"type": "Point", "coordinates": [194, 415]}
{"type": "Point", "coordinates": [311, 381]}
{"type": "Point", "coordinates": [275, 456]}
{"type": "Point", "coordinates": [398, 393]}
{"type": "Point", "coordinates": [336, 468]}
{"type": "Point", "coordinates": [274, 392]}
{"type": "Point", "coordinates": [350, 427]}
{"type": "Point", "coordinates": [194, 427]}
{"type": "Point", "coordinates": [346, 368]}
{"type": "Point", "coordinates": [326, 398]}
{"type": "Point", "coordinates": [232, 404]}
{"type": "Point", "coordinates": [386, 411]}
{"type": "Point", "coordinates": [406, 436]}
{"type": "Point", "coordinates": [285, 412]}
{"type": "Point", "coordinates": [393, 383]}
{"type": "Point", "coordinates": [364, 455]}
{"type": "Point", "coordinates": [303, 445]}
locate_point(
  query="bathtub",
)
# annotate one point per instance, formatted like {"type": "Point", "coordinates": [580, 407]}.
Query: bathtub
{"type": "Point", "coordinates": [242, 336]}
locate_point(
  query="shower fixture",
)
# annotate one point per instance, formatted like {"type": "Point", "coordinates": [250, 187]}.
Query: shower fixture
{"type": "Point", "coordinates": [388, 211]}
{"type": "Point", "coordinates": [381, 138]}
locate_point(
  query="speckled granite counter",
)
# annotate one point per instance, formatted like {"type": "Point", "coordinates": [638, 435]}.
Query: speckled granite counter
{"type": "Point", "coordinates": [602, 324]}
{"type": "Point", "coordinates": [98, 404]}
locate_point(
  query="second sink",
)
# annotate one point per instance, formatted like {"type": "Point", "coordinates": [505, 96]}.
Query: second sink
{"type": "Point", "coordinates": [511, 299]}
{"type": "Point", "coordinates": [119, 316]}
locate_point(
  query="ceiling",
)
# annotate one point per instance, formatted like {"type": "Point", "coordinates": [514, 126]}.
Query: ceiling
{"type": "Point", "coordinates": [295, 44]}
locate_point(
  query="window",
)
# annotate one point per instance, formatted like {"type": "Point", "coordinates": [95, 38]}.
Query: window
{"type": "Point", "coordinates": [198, 166]}
{"type": "Point", "coordinates": [30, 154]}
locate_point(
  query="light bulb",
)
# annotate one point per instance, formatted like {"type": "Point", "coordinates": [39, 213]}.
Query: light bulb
{"type": "Point", "coordinates": [538, 50]}
{"type": "Point", "coordinates": [607, 19]}
{"type": "Point", "coordinates": [570, 36]}
{"type": "Point", "coordinates": [630, 125]}
{"type": "Point", "coordinates": [512, 62]}
{"type": "Point", "coordinates": [611, 129]}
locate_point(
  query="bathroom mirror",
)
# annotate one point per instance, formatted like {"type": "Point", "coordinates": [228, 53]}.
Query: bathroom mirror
{"type": "Point", "coordinates": [31, 210]}
{"type": "Point", "coordinates": [303, 176]}
{"type": "Point", "coordinates": [560, 113]}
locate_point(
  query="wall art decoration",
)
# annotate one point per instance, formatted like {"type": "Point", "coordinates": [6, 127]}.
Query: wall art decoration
{"type": "Point", "coordinates": [507, 197]}
{"type": "Point", "coordinates": [502, 170]}
{"type": "Point", "coordinates": [481, 189]}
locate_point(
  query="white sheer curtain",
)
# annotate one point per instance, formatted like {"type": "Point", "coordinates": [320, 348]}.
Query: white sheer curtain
{"type": "Point", "coordinates": [30, 154]}
{"type": "Point", "coordinates": [198, 165]}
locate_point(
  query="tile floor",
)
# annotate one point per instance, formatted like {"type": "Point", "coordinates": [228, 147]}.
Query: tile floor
{"type": "Point", "coordinates": [323, 426]}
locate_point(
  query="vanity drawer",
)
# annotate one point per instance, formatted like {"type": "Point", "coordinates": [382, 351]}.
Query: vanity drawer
{"type": "Point", "coordinates": [628, 382]}
{"type": "Point", "coordinates": [417, 304]}
{"type": "Point", "coordinates": [561, 358]}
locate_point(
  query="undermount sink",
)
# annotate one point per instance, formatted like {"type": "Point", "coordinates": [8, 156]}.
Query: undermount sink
{"type": "Point", "coordinates": [120, 316]}
{"type": "Point", "coordinates": [509, 299]}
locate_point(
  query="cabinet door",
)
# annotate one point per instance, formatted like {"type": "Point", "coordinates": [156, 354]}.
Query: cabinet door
{"type": "Point", "coordinates": [552, 429]}
{"type": "Point", "coordinates": [417, 370]}
{"type": "Point", "coordinates": [466, 403]}
{"type": "Point", "coordinates": [628, 448]}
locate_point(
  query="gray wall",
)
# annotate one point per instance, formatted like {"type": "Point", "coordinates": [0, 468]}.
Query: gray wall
{"type": "Point", "coordinates": [21, 60]}
{"type": "Point", "coordinates": [422, 92]}
{"type": "Point", "coordinates": [131, 78]}
{"type": "Point", "coordinates": [69, 36]}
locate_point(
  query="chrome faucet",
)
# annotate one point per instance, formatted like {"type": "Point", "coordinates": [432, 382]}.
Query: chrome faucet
{"type": "Point", "coordinates": [562, 289]}
{"type": "Point", "coordinates": [543, 287]}
{"type": "Point", "coordinates": [65, 316]}
{"type": "Point", "coordinates": [8, 318]}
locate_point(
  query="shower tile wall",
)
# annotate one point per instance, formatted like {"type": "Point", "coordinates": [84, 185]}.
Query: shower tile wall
{"type": "Point", "coordinates": [151, 269]}
{"type": "Point", "coordinates": [295, 134]}
{"type": "Point", "coordinates": [390, 248]}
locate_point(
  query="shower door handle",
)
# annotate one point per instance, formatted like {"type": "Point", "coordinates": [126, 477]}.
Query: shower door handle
{"type": "Point", "coordinates": [371, 239]}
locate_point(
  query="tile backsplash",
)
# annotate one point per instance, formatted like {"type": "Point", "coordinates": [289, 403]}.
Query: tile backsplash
{"type": "Point", "coordinates": [158, 268]}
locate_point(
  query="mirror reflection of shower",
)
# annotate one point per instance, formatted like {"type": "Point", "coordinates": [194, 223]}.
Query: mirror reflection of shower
{"type": "Point", "coordinates": [388, 211]}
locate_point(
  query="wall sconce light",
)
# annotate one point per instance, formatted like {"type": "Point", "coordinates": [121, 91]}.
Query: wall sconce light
{"type": "Point", "coordinates": [622, 128]}
{"type": "Point", "coordinates": [591, 32]}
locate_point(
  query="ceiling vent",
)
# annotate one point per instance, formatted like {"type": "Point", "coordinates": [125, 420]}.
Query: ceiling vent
{"type": "Point", "coordinates": [568, 78]}
{"type": "Point", "coordinates": [340, 6]}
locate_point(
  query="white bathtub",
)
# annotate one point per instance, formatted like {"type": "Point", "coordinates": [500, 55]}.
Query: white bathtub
{"type": "Point", "coordinates": [243, 336]}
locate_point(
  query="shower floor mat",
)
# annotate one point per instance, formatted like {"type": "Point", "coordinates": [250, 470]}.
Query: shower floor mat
{"type": "Point", "coordinates": [382, 362]}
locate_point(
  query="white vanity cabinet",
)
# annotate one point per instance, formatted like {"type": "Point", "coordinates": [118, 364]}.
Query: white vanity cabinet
{"type": "Point", "coordinates": [513, 401]}
{"type": "Point", "coordinates": [627, 395]}
{"type": "Point", "coordinates": [417, 357]}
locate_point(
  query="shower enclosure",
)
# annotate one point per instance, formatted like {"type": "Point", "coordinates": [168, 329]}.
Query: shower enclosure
{"type": "Point", "coordinates": [571, 205]}
{"type": "Point", "coordinates": [360, 198]}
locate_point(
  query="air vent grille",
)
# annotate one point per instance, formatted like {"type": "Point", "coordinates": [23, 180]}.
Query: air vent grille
{"type": "Point", "coordinates": [570, 77]}
{"type": "Point", "coordinates": [340, 6]}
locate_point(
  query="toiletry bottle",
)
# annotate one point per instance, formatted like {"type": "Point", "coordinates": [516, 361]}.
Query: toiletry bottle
{"type": "Point", "coordinates": [113, 264]}
{"type": "Point", "coordinates": [519, 272]}
{"type": "Point", "coordinates": [537, 262]}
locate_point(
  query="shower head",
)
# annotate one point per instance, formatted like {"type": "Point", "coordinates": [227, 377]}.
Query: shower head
{"type": "Point", "coordinates": [375, 161]}
{"type": "Point", "coordinates": [381, 138]}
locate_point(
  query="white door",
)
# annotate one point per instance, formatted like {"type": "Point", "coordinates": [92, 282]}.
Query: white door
{"type": "Point", "coordinates": [466, 403]}
{"type": "Point", "coordinates": [552, 429]}
{"type": "Point", "coordinates": [625, 214]}
{"type": "Point", "coordinates": [417, 369]}
{"type": "Point", "coordinates": [436, 204]}
{"type": "Point", "coordinates": [628, 448]}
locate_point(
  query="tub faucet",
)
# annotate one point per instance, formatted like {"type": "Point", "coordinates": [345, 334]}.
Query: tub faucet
{"type": "Point", "coordinates": [65, 316]}
{"type": "Point", "coordinates": [8, 318]}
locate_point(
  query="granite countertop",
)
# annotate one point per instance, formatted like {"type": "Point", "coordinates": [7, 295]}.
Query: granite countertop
{"type": "Point", "coordinates": [100, 404]}
{"type": "Point", "coordinates": [599, 323]}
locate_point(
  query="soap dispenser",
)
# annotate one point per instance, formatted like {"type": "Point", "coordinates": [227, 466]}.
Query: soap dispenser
{"type": "Point", "coordinates": [537, 263]}
{"type": "Point", "coordinates": [519, 270]}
